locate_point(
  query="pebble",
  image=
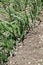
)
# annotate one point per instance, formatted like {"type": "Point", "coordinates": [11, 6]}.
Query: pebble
{"type": "Point", "coordinates": [29, 62]}
{"type": "Point", "coordinates": [29, 41]}
{"type": "Point", "coordinates": [40, 60]}
{"type": "Point", "coordinates": [10, 62]}
{"type": "Point", "coordinates": [20, 46]}
{"type": "Point", "coordinates": [39, 42]}
{"type": "Point", "coordinates": [39, 64]}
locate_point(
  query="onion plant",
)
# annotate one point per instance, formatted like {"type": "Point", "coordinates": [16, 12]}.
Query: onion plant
{"type": "Point", "coordinates": [17, 24]}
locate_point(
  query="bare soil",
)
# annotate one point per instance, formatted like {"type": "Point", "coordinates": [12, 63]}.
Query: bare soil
{"type": "Point", "coordinates": [32, 51]}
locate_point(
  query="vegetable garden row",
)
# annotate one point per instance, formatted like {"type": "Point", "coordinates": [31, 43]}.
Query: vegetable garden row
{"type": "Point", "coordinates": [21, 17]}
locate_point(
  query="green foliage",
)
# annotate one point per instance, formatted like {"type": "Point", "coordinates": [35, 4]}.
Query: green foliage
{"type": "Point", "coordinates": [13, 30]}
{"type": "Point", "coordinates": [3, 57]}
{"type": "Point", "coordinates": [42, 2]}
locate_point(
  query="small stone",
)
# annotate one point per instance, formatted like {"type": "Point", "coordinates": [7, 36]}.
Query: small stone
{"type": "Point", "coordinates": [38, 63]}
{"type": "Point", "coordinates": [39, 42]}
{"type": "Point", "coordinates": [30, 41]}
{"type": "Point", "coordinates": [15, 53]}
{"type": "Point", "coordinates": [39, 35]}
{"type": "Point", "coordinates": [10, 62]}
{"type": "Point", "coordinates": [40, 60]}
{"type": "Point", "coordinates": [13, 63]}
{"type": "Point", "coordinates": [20, 46]}
{"type": "Point", "coordinates": [33, 50]}
{"type": "Point", "coordinates": [29, 62]}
